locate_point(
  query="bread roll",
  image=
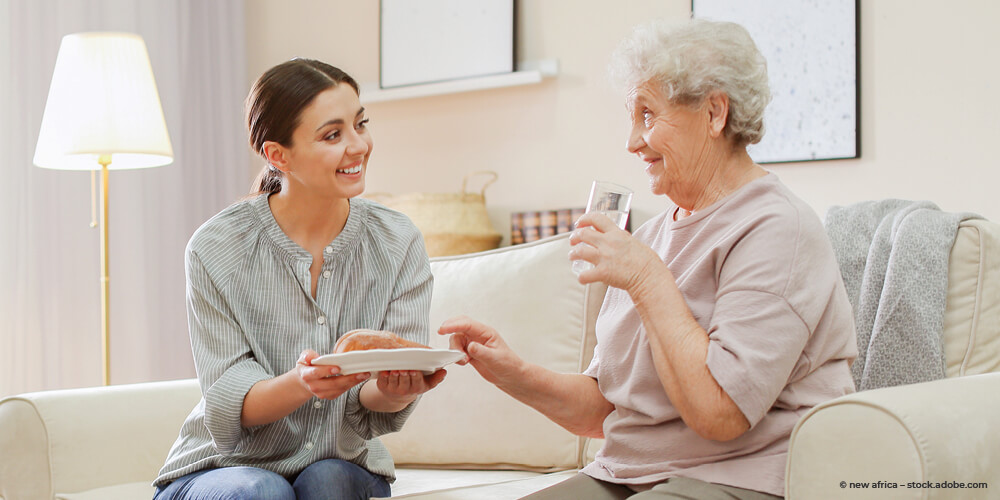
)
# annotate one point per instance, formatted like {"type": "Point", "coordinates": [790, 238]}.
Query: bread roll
{"type": "Point", "coordinates": [363, 340]}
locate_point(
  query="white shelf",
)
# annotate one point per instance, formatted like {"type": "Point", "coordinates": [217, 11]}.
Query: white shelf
{"type": "Point", "coordinates": [528, 73]}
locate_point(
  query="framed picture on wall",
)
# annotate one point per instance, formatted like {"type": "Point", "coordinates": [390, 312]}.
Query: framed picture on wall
{"type": "Point", "coordinates": [811, 47]}
{"type": "Point", "coordinates": [427, 41]}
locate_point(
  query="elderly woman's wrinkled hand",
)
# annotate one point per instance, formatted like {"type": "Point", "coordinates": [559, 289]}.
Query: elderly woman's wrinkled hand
{"type": "Point", "coordinates": [484, 348]}
{"type": "Point", "coordinates": [619, 259]}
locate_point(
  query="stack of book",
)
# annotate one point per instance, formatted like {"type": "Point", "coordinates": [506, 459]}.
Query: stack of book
{"type": "Point", "coordinates": [535, 225]}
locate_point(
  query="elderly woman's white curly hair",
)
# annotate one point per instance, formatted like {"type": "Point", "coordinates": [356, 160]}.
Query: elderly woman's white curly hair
{"type": "Point", "coordinates": [692, 59]}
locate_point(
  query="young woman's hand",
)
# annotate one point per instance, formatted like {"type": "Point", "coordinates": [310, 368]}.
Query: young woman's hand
{"type": "Point", "coordinates": [324, 381]}
{"type": "Point", "coordinates": [393, 390]}
{"type": "Point", "coordinates": [405, 383]}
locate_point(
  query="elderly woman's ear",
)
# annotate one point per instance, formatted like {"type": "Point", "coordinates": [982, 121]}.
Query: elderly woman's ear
{"type": "Point", "coordinates": [717, 107]}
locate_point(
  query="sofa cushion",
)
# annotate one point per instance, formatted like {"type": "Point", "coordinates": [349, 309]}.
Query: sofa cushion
{"type": "Point", "coordinates": [505, 490]}
{"type": "Point", "coordinates": [972, 315]}
{"type": "Point", "coordinates": [529, 294]}
{"type": "Point", "coordinates": [411, 481]}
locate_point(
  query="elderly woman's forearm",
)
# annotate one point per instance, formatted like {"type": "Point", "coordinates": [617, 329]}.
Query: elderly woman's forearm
{"type": "Point", "coordinates": [680, 347]}
{"type": "Point", "coordinates": [574, 401]}
{"type": "Point", "coordinates": [702, 403]}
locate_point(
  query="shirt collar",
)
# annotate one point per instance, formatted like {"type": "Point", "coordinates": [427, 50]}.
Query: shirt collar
{"type": "Point", "coordinates": [347, 238]}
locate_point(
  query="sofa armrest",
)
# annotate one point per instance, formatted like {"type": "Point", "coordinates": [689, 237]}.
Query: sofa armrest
{"type": "Point", "coordinates": [74, 440]}
{"type": "Point", "coordinates": [937, 432]}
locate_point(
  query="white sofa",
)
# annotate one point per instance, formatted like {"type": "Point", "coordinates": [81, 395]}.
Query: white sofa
{"type": "Point", "coordinates": [467, 440]}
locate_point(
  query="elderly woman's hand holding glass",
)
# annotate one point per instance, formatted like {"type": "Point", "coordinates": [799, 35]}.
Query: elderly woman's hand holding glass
{"type": "Point", "coordinates": [618, 259]}
{"type": "Point", "coordinates": [726, 318]}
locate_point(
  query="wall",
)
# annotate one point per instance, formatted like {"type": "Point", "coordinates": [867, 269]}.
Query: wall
{"type": "Point", "coordinates": [928, 119]}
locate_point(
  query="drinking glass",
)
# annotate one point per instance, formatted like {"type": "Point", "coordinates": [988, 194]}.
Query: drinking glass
{"type": "Point", "coordinates": [610, 200]}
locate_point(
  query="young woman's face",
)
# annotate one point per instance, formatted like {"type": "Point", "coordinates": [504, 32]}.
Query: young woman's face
{"type": "Point", "coordinates": [331, 145]}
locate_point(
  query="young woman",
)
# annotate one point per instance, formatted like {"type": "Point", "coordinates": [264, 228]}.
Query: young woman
{"type": "Point", "coordinates": [276, 279]}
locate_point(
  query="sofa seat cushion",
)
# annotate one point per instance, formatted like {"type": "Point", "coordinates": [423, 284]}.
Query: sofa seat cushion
{"type": "Point", "coordinates": [409, 482]}
{"type": "Point", "coordinates": [500, 490]}
{"type": "Point", "coordinates": [414, 481]}
{"type": "Point", "coordinates": [127, 491]}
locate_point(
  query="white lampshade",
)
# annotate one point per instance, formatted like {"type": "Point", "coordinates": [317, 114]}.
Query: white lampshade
{"type": "Point", "coordinates": [103, 101]}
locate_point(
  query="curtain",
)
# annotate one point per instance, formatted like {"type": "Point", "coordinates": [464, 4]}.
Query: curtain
{"type": "Point", "coordinates": [50, 326]}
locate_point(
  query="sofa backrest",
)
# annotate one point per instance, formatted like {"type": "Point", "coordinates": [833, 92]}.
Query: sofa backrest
{"type": "Point", "coordinates": [530, 295]}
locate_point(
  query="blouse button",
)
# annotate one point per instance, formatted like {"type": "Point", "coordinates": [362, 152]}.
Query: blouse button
{"type": "Point", "coordinates": [309, 445]}
{"type": "Point", "coordinates": [328, 249]}
{"type": "Point", "coordinates": [317, 405]}
{"type": "Point", "coordinates": [327, 274]}
{"type": "Point", "coordinates": [321, 320]}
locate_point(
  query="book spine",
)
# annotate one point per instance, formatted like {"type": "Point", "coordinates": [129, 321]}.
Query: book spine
{"type": "Point", "coordinates": [516, 228]}
{"type": "Point", "coordinates": [548, 223]}
{"type": "Point", "coordinates": [532, 231]}
{"type": "Point", "coordinates": [564, 221]}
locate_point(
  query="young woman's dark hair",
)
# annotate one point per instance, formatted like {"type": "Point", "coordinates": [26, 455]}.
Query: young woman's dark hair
{"type": "Point", "coordinates": [275, 102]}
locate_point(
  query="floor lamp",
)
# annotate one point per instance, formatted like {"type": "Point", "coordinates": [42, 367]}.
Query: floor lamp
{"type": "Point", "coordinates": [103, 113]}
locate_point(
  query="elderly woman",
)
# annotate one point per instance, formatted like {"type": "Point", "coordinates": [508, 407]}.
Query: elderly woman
{"type": "Point", "coordinates": [726, 318]}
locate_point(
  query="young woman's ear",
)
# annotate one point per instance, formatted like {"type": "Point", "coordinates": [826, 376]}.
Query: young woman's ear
{"type": "Point", "coordinates": [277, 155]}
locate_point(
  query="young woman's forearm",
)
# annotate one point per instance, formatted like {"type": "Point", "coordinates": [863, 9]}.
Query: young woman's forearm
{"type": "Point", "coordinates": [273, 399]}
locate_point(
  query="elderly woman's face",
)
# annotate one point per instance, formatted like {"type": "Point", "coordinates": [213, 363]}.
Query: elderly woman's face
{"type": "Point", "coordinates": [671, 139]}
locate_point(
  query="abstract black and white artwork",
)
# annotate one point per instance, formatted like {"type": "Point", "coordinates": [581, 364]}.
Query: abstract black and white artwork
{"type": "Point", "coordinates": [811, 47]}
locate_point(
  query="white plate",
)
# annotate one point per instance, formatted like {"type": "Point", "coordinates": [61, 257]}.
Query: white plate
{"type": "Point", "coordinates": [407, 358]}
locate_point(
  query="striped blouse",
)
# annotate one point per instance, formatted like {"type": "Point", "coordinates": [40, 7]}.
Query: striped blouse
{"type": "Point", "coordinates": [251, 313]}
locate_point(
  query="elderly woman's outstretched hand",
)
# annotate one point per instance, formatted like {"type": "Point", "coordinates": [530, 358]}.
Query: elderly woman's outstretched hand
{"type": "Point", "coordinates": [484, 348]}
{"type": "Point", "coordinates": [619, 259]}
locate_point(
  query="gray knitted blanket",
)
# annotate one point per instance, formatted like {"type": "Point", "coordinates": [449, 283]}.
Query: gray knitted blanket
{"type": "Point", "coordinates": [893, 256]}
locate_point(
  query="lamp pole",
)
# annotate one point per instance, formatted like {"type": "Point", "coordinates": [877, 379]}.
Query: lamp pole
{"type": "Point", "coordinates": [103, 98]}
{"type": "Point", "coordinates": [105, 160]}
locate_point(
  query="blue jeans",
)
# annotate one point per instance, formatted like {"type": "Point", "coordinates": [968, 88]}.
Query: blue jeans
{"type": "Point", "coordinates": [330, 479]}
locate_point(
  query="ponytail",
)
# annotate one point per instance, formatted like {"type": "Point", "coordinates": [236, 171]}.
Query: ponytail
{"type": "Point", "coordinates": [268, 181]}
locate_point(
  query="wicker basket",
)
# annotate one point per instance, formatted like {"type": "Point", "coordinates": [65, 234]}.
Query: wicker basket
{"type": "Point", "coordinates": [452, 223]}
